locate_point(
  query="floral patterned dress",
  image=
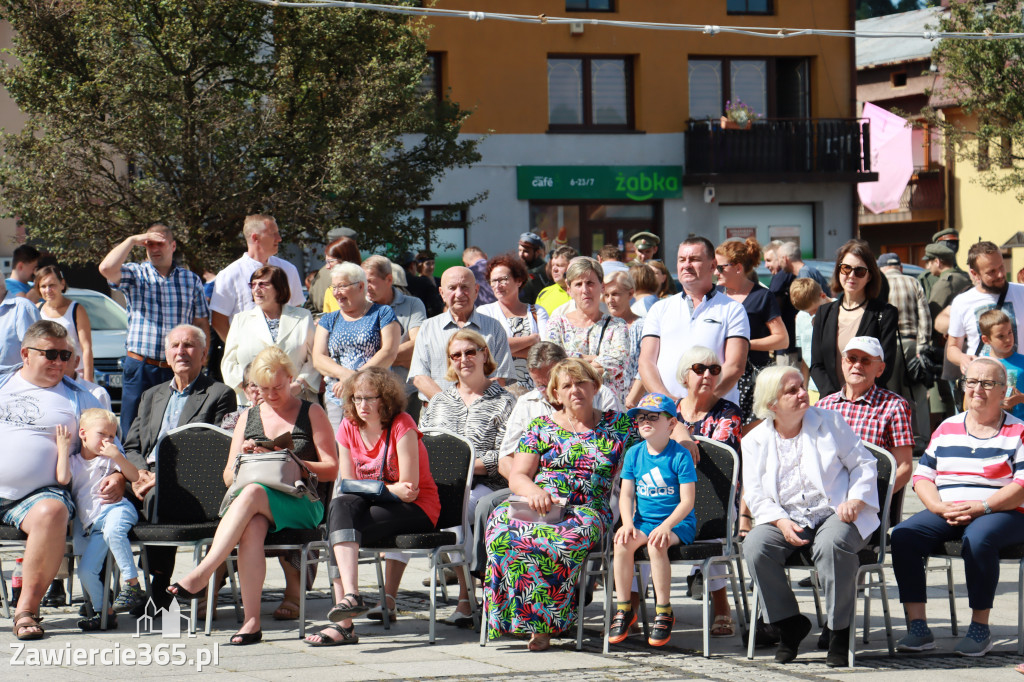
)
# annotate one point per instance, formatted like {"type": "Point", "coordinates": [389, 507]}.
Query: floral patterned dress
{"type": "Point", "coordinates": [607, 339]}
{"type": "Point", "coordinates": [532, 568]}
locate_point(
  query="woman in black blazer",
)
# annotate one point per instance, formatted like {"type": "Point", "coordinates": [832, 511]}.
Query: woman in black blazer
{"type": "Point", "coordinates": [857, 282]}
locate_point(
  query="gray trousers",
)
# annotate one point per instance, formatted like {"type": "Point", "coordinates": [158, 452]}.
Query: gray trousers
{"type": "Point", "coordinates": [834, 547]}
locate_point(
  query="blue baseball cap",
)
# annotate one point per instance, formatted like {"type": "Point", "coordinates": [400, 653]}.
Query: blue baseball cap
{"type": "Point", "coordinates": [654, 402]}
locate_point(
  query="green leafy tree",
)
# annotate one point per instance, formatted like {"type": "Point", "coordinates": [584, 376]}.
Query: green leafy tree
{"type": "Point", "coordinates": [199, 112]}
{"type": "Point", "coordinates": [986, 79]}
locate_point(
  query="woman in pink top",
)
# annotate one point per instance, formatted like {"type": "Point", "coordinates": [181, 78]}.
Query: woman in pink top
{"type": "Point", "coordinates": [376, 441]}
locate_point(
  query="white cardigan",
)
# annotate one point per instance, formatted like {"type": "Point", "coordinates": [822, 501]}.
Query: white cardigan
{"type": "Point", "coordinates": [249, 334]}
{"type": "Point", "coordinates": [834, 458]}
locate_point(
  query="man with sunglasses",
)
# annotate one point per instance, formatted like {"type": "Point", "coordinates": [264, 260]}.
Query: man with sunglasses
{"type": "Point", "coordinates": [699, 316]}
{"type": "Point", "coordinates": [36, 398]}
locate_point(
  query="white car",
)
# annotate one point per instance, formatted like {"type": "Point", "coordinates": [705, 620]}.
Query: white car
{"type": "Point", "coordinates": [109, 332]}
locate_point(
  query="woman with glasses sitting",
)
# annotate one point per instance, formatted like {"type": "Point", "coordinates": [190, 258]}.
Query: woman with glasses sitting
{"type": "Point", "coordinates": [971, 481]}
{"type": "Point", "coordinates": [856, 311]}
{"type": "Point", "coordinates": [716, 419]}
{"type": "Point", "coordinates": [359, 334]}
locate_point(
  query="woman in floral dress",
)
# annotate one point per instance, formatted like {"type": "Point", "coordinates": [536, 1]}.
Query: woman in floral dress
{"type": "Point", "coordinates": [588, 333]}
{"type": "Point", "coordinates": [533, 568]}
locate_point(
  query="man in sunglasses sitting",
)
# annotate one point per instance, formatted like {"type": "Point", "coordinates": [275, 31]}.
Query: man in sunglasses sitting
{"type": "Point", "coordinates": [36, 398]}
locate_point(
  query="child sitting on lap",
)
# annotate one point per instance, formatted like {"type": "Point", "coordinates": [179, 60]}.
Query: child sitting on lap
{"type": "Point", "coordinates": [98, 526]}
{"type": "Point", "coordinates": [659, 474]}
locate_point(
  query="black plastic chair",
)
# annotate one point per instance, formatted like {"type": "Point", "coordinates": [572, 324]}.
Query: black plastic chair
{"type": "Point", "coordinates": [714, 541]}
{"type": "Point", "coordinates": [451, 465]}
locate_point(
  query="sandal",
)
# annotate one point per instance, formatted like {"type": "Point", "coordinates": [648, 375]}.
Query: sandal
{"type": "Point", "coordinates": [95, 623]}
{"type": "Point", "coordinates": [348, 636]}
{"type": "Point", "coordinates": [350, 606]}
{"type": "Point", "coordinates": [377, 613]}
{"type": "Point", "coordinates": [286, 610]}
{"type": "Point", "coordinates": [176, 590]}
{"type": "Point", "coordinates": [460, 620]}
{"type": "Point", "coordinates": [723, 627]}
{"type": "Point", "coordinates": [33, 624]}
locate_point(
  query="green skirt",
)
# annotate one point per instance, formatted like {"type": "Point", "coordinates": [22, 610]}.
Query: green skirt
{"type": "Point", "coordinates": [293, 512]}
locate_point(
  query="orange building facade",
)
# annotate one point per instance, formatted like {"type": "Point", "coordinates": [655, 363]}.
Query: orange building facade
{"type": "Point", "coordinates": [605, 131]}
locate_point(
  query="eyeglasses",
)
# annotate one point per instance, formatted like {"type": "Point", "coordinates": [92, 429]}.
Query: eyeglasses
{"type": "Point", "coordinates": [260, 285]}
{"type": "Point", "coordinates": [858, 360]}
{"type": "Point", "coordinates": [700, 368]}
{"type": "Point", "coordinates": [986, 384]}
{"type": "Point", "coordinates": [343, 287]}
{"type": "Point", "coordinates": [360, 399]}
{"type": "Point", "coordinates": [469, 353]}
{"type": "Point", "coordinates": [52, 353]}
{"type": "Point", "coordinates": [643, 417]}
{"type": "Point", "coordinates": [500, 281]}
{"type": "Point", "coordinates": [859, 271]}
{"type": "Point", "coordinates": [721, 268]}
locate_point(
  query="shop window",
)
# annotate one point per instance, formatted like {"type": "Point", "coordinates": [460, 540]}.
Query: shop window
{"type": "Point", "coordinates": [590, 93]}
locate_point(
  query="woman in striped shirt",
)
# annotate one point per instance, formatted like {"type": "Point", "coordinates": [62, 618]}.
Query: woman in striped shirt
{"type": "Point", "coordinates": [971, 481]}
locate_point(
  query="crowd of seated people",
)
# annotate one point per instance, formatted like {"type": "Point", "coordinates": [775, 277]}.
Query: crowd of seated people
{"type": "Point", "coordinates": [558, 408]}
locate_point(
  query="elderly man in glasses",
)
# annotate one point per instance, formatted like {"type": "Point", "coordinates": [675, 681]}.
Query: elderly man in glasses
{"type": "Point", "coordinates": [36, 398]}
{"type": "Point", "coordinates": [971, 481]}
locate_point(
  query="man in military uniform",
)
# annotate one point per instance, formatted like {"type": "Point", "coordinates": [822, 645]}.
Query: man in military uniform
{"type": "Point", "coordinates": [948, 281]}
{"type": "Point", "coordinates": [646, 244]}
{"type": "Point", "coordinates": [949, 238]}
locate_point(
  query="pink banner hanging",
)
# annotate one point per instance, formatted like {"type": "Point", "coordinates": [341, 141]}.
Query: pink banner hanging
{"type": "Point", "coordinates": [892, 157]}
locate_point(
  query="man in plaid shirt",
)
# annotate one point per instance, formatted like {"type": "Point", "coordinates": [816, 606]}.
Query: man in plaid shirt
{"type": "Point", "coordinates": [877, 415]}
{"type": "Point", "coordinates": [161, 295]}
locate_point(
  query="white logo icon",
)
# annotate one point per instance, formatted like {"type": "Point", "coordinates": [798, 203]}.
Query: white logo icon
{"type": "Point", "coordinates": [172, 621]}
{"type": "Point", "coordinates": [652, 484]}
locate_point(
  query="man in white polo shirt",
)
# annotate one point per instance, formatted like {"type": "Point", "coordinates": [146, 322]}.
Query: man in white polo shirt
{"type": "Point", "coordinates": [699, 316]}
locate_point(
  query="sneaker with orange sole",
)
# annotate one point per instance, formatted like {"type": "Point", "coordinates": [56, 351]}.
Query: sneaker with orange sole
{"type": "Point", "coordinates": [662, 630]}
{"type": "Point", "coordinates": [621, 622]}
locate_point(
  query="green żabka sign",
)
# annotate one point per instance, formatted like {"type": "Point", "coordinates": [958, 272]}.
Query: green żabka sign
{"type": "Point", "coordinates": [633, 183]}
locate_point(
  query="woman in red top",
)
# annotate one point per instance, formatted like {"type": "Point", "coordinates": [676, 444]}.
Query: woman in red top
{"type": "Point", "coordinates": [376, 441]}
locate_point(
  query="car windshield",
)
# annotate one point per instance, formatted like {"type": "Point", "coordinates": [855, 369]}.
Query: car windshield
{"type": "Point", "coordinates": [103, 312]}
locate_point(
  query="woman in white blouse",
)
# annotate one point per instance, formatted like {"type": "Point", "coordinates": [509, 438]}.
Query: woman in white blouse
{"type": "Point", "coordinates": [809, 481]}
{"type": "Point", "coordinates": [272, 322]}
{"type": "Point", "coordinates": [524, 323]}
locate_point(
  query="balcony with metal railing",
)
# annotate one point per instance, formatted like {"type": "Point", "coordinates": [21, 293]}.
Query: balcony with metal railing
{"type": "Point", "coordinates": [779, 150]}
{"type": "Point", "coordinates": [924, 199]}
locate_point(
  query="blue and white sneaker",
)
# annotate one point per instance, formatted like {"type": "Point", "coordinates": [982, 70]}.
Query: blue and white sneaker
{"type": "Point", "coordinates": [919, 637]}
{"type": "Point", "coordinates": [977, 641]}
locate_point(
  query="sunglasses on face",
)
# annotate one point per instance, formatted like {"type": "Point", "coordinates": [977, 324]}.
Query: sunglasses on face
{"type": "Point", "coordinates": [859, 271]}
{"type": "Point", "coordinates": [700, 368]}
{"type": "Point", "coordinates": [469, 353]}
{"type": "Point", "coordinates": [52, 353]}
{"type": "Point", "coordinates": [721, 268]}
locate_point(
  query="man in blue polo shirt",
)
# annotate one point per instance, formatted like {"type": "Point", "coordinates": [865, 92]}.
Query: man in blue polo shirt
{"type": "Point", "coordinates": [699, 316]}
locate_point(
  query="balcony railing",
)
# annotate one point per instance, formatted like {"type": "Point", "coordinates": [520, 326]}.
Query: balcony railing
{"type": "Point", "coordinates": [823, 149]}
{"type": "Point", "coordinates": [926, 191]}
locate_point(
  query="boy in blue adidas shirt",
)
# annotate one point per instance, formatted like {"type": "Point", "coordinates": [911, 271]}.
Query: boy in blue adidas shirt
{"type": "Point", "coordinates": [659, 476]}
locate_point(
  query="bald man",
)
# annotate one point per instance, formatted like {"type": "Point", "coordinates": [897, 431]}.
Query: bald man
{"type": "Point", "coordinates": [429, 359]}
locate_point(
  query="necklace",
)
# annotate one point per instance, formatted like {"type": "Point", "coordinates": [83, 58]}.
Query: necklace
{"type": "Point", "coordinates": [573, 424]}
{"type": "Point", "coordinates": [859, 305]}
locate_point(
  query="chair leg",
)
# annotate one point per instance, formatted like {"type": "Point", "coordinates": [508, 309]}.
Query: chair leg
{"type": "Point", "coordinates": [608, 575]}
{"type": "Point", "coordinates": [742, 578]}
{"type": "Point", "coordinates": [706, 608]}
{"type": "Point", "coordinates": [483, 617]}
{"type": "Point", "coordinates": [740, 614]}
{"type": "Point", "coordinates": [642, 604]}
{"type": "Point", "coordinates": [867, 604]}
{"type": "Point", "coordinates": [1020, 608]}
{"type": "Point", "coordinates": [755, 599]}
{"type": "Point", "coordinates": [885, 612]}
{"type": "Point", "coordinates": [197, 556]}
{"type": "Point", "coordinates": [852, 645]}
{"type": "Point", "coordinates": [106, 591]}
{"type": "Point", "coordinates": [581, 590]}
{"type": "Point", "coordinates": [952, 596]}
{"type": "Point", "coordinates": [817, 597]}
{"type": "Point", "coordinates": [211, 602]}
{"type": "Point", "coordinates": [385, 611]}
{"type": "Point", "coordinates": [4, 598]}
{"type": "Point", "coordinates": [303, 565]}
{"type": "Point", "coordinates": [433, 596]}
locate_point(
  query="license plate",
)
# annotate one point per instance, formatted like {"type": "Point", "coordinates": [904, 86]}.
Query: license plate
{"type": "Point", "coordinates": [114, 380]}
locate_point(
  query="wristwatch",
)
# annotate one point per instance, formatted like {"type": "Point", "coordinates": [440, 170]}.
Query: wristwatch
{"type": "Point", "coordinates": [988, 509]}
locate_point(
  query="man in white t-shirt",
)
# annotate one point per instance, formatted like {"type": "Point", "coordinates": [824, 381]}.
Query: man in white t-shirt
{"type": "Point", "coordinates": [231, 291]}
{"type": "Point", "coordinates": [35, 398]}
{"type": "Point", "coordinates": [699, 316]}
{"type": "Point", "coordinates": [988, 271]}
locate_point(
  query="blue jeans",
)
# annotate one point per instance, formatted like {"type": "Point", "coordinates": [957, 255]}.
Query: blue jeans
{"type": "Point", "coordinates": [923, 534]}
{"type": "Point", "coordinates": [109, 531]}
{"type": "Point", "coordinates": [137, 377]}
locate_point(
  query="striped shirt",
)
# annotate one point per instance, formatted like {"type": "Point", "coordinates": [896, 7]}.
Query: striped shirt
{"type": "Point", "coordinates": [158, 304]}
{"type": "Point", "coordinates": [964, 467]}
